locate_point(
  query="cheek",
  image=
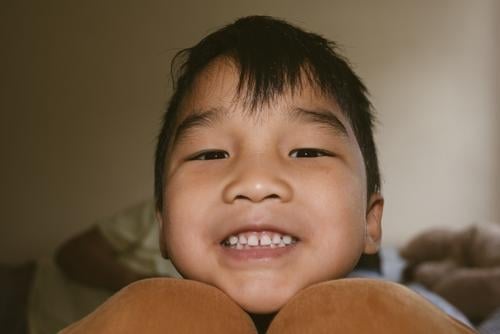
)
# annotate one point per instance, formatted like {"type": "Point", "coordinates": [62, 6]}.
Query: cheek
{"type": "Point", "coordinates": [181, 192]}
{"type": "Point", "coordinates": [337, 205]}
{"type": "Point", "coordinates": [338, 191]}
{"type": "Point", "coordinates": [178, 212]}
{"type": "Point", "coordinates": [189, 206]}
{"type": "Point", "coordinates": [183, 233]}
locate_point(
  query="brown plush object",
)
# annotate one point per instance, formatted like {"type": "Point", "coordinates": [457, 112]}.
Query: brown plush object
{"type": "Point", "coordinates": [463, 266]}
{"type": "Point", "coordinates": [164, 305]}
{"type": "Point", "coordinates": [347, 306]}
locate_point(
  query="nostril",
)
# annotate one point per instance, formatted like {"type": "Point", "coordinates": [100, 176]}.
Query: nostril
{"type": "Point", "coordinates": [241, 197]}
{"type": "Point", "coordinates": [272, 196]}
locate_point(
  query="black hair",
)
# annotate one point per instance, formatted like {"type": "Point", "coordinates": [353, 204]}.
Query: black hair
{"type": "Point", "coordinates": [272, 56]}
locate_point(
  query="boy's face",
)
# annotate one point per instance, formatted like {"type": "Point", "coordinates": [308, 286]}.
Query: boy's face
{"type": "Point", "coordinates": [264, 204]}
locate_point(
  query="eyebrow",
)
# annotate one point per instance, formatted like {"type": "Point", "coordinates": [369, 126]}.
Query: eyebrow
{"type": "Point", "coordinates": [204, 118]}
{"type": "Point", "coordinates": [198, 118]}
{"type": "Point", "coordinates": [321, 117]}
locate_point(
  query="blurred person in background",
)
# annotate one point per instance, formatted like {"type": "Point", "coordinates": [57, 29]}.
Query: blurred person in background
{"type": "Point", "coordinates": [45, 296]}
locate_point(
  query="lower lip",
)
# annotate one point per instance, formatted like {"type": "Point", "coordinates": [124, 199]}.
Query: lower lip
{"type": "Point", "coordinates": [257, 253]}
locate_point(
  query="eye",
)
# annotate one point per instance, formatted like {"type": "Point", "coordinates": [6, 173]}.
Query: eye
{"type": "Point", "coordinates": [309, 153]}
{"type": "Point", "coordinates": [210, 155]}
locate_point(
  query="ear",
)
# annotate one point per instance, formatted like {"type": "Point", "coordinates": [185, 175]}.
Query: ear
{"type": "Point", "coordinates": [374, 223]}
{"type": "Point", "coordinates": [161, 236]}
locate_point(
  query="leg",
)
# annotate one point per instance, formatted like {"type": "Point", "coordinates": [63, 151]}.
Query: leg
{"type": "Point", "coordinates": [163, 305]}
{"type": "Point", "coordinates": [362, 306]}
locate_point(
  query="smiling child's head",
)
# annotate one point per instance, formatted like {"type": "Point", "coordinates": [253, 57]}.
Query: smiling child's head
{"type": "Point", "coordinates": [266, 175]}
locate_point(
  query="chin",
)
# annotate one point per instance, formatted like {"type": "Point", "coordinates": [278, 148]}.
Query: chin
{"type": "Point", "coordinates": [261, 306]}
{"type": "Point", "coordinates": [261, 301]}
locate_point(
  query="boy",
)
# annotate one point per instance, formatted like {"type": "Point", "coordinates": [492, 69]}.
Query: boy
{"type": "Point", "coordinates": [266, 184]}
{"type": "Point", "coordinates": [268, 136]}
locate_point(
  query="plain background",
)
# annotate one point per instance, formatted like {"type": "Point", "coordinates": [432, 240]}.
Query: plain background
{"type": "Point", "coordinates": [84, 83]}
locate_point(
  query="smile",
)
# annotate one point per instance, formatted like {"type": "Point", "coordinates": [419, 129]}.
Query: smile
{"type": "Point", "coordinates": [253, 240]}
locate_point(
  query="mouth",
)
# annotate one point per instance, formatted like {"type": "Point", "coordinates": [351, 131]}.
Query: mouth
{"type": "Point", "coordinates": [258, 240]}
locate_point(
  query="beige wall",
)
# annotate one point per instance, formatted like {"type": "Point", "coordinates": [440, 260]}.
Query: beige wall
{"type": "Point", "coordinates": [83, 85]}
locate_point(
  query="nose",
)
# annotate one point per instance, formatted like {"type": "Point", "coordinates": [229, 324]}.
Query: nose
{"type": "Point", "coordinates": [257, 181]}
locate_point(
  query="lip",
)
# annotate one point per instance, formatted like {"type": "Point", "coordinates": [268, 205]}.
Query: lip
{"type": "Point", "coordinates": [257, 253]}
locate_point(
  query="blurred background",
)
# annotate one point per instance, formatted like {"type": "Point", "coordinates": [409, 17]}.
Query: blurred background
{"type": "Point", "coordinates": [83, 85]}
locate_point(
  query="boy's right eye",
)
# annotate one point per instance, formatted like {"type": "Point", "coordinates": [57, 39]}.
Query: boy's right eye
{"type": "Point", "coordinates": [210, 155]}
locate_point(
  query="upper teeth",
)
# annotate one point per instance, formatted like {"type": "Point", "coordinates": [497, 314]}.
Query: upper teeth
{"type": "Point", "coordinates": [254, 239]}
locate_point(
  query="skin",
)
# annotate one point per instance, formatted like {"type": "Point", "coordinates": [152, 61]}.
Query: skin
{"type": "Point", "coordinates": [270, 170]}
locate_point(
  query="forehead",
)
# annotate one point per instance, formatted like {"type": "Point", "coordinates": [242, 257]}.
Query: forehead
{"type": "Point", "coordinates": [219, 87]}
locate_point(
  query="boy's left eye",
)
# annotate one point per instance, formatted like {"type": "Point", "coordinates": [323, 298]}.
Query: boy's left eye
{"type": "Point", "coordinates": [210, 155]}
{"type": "Point", "coordinates": [309, 153]}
